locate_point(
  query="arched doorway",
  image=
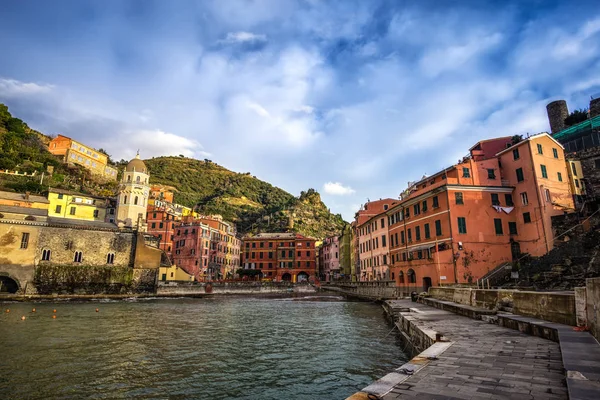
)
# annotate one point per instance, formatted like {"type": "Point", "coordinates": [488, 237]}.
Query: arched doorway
{"type": "Point", "coordinates": [286, 277]}
{"type": "Point", "coordinates": [412, 277]}
{"type": "Point", "coordinates": [8, 285]}
{"type": "Point", "coordinates": [302, 277]}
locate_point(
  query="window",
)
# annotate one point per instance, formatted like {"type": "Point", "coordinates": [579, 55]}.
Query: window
{"type": "Point", "coordinates": [424, 206]}
{"type": "Point", "coordinates": [253, 245]}
{"type": "Point", "coordinates": [95, 213]}
{"type": "Point", "coordinates": [290, 253]}
{"type": "Point", "coordinates": [418, 233]}
{"type": "Point", "coordinates": [555, 152]}
{"type": "Point", "coordinates": [491, 173]}
{"type": "Point", "coordinates": [458, 197]}
{"type": "Point", "coordinates": [409, 235]}
{"type": "Point", "coordinates": [137, 179]}
{"type": "Point", "coordinates": [498, 226]}
{"type": "Point", "coordinates": [576, 183]}
{"type": "Point", "coordinates": [515, 154]}
{"type": "Point", "coordinates": [520, 177]}
{"type": "Point", "coordinates": [544, 171]}
{"type": "Point", "coordinates": [402, 237]}
{"type": "Point", "coordinates": [540, 149]}
{"type": "Point", "coordinates": [260, 255]}
{"type": "Point", "coordinates": [526, 217]}
{"type": "Point", "coordinates": [135, 201]}
{"type": "Point", "coordinates": [24, 240]}
{"type": "Point", "coordinates": [434, 202]}
{"type": "Point", "coordinates": [547, 193]}
{"type": "Point", "coordinates": [512, 228]}
{"type": "Point", "coordinates": [427, 233]}
{"type": "Point", "coordinates": [110, 258]}
{"type": "Point", "coordinates": [495, 199]}
{"type": "Point", "coordinates": [382, 223]}
{"type": "Point", "coordinates": [77, 257]}
{"type": "Point", "coordinates": [403, 256]}
{"type": "Point", "coordinates": [574, 169]}
{"type": "Point", "coordinates": [420, 254]}
{"type": "Point", "coordinates": [508, 199]}
{"type": "Point", "coordinates": [438, 227]}
{"type": "Point", "coordinates": [46, 255]}
{"type": "Point", "coordinates": [406, 212]}
{"type": "Point", "coordinates": [417, 209]}
{"type": "Point", "coordinates": [72, 211]}
{"type": "Point", "coordinates": [466, 173]}
{"type": "Point", "coordinates": [58, 209]}
{"type": "Point", "coordinates": [128, 178]}
{"type": "Point", "coordinates": [559, 176]}
{"type": "Point", "coordinates": [462, 225]}
{"type": "Point", "coordinates": [262, 244]}
{"type": "Point", "coordinates": [383, 241]}
{"type": "Point", "coordinates": [524, 200]}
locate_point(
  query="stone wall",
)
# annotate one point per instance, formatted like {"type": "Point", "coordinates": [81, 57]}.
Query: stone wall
{"type": "Point", "coordinates": [249, 288]}
{"type": "Point", "coordinates": [376, 290]}
{"type": "Point", "coordinates": [18, 263]}
{"type": "Point", "coordinates": [593, 306]}
{"type": "Point", "coordinates": [549, 306]}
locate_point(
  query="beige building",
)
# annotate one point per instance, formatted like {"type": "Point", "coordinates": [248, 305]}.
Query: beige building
{"type": "Point", "coordinates": [133, 195]}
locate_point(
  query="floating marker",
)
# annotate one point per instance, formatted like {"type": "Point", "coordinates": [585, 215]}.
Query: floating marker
{"type": "Point", "coordinates": [23, 318]}
{"type": "Point", "coordinates": [54, 310]}
{"type": "Point", "coordinates": [7, 310]}
{"type": "Point", "coordinates": [53, 316]}
{"type": "Point", "coordinates": [96, 310]}
{"type": "Point", "coordinates": [33, 310]}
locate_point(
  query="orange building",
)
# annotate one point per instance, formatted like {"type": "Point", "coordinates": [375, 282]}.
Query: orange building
{"type": "Point", "coordinates": [372, 247]}
{"type": "Point", "coordinates": [161, 193]}
{"type": "Point", "coordinates": [489, 209]}
{"type": "Point", "coordinates": [281, 256]}
{"type": "Point", "coordinates": [74, 152]}
{"type": "Point", "coordinates": [161, 223]}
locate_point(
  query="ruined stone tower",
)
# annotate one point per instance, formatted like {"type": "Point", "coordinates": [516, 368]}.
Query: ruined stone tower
{"type": "Point", "coordinates": [557, 112]}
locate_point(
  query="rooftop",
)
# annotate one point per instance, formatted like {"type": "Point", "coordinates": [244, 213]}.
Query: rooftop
{"type": "Point", "coordinates": [40, 212]}
{"type": "Point", "coordinates": [72, 193]}
{"type": "Point", "coordinates": [23, 197]}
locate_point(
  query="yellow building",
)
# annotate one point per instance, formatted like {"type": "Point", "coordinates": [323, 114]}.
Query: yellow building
{"type": "Point", "coordinates": [576, 177]}
{"type": "Point", "coordinates": [74, 152]}
{"type": "Point", "coordinates": [72, 205]}
{"type": "Point", "coordinates": [174, 273]}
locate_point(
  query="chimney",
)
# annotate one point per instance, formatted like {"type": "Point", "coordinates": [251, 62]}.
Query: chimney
{"type": "Point", "coordinates": [557, 112]}
{"type": "Point", "coordinates": [595, 107]}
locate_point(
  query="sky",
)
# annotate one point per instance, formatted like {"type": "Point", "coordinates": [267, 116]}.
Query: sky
{"type": "Point", "coordinates": [353, 98]}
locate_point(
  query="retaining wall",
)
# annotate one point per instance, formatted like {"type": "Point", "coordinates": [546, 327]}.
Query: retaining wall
{"type": "Point", "coordinates": [593, 306]}
{"type": "Point", "coordinates": [380, 290]}
{"type": "Point", "coordinates": [174, 288]}
{"type": "Point", "coordinates": [550, 306]}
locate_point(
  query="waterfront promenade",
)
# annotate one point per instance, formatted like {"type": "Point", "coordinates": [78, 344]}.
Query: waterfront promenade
{"type": "Point", "coordinates": [480, 361]}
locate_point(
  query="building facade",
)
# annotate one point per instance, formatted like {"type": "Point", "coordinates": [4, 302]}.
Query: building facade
{"type": "Point", "coordinates": [345, 241]}
{"type": "Point", "coordinates": [74, 152]}
{"type": "Point", "coordinates": [372, 231]}
{"type": "Point", "coordinates": [78, 206]}
{"type": "Point", "coordinates": [487, 210]}
{"type": "Point", "coordinates": [280, 257]}
{"type": "Point", "coordinates": [329, 253]}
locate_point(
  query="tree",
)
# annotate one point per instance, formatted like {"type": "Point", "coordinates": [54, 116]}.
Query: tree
{"type": "Point", "coordinates": [110, 160]}
{"type": "Point", "coordinates": [576, 117]}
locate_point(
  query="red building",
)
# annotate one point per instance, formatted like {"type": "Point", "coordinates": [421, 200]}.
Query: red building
{"type": "Point", "coordinates": [161, 223]}
{"type": "Point", "coordinates": [192, 249]}
{"type": "Point", "coordinates": [281, 256]}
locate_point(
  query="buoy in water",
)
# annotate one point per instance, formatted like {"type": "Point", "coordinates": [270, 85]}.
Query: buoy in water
{"type": "Point", "coordinates": [96, 310]}
{"type": "Point", "coordinates": [23, 318]}
{"type": "Point", "coordinates": [53, 316]}
{"type": "Point", "coordinates": [7, 310]}
{"type": "Point", "coordinates": [33, 310]}
{"type": "Point", "coordinates": [54, 310]}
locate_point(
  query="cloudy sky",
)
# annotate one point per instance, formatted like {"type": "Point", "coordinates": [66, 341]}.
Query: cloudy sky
{"type": "Point", "coordinates": [352, 98]}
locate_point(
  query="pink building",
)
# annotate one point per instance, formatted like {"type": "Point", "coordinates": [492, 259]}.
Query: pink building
{"type": "Point", "coordinates": [372, 230]}
{"type": "Point", "coordinates": [330, 251]}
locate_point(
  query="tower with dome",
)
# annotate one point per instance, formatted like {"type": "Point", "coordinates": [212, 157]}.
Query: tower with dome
{"type": "Point", "coordinates": [132, 199]}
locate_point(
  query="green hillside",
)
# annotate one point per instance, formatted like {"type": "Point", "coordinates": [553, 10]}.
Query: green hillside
{"type": "Point", "coordinates": [253, 205]}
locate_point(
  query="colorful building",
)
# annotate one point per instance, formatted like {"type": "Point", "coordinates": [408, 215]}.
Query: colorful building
{"type": "Point", "coordinates": [161, 223]}
{"type": "Point", "coordinates": [78, 206]}
{"type": "Point", "coordinates": [329, 255]}
{"type": "Point", "coordinates": [346, 248]}
{"type": "Point", "coordinates": [372, 246]}
{"type": "Point", "coordinates": [174, 273]}
{"type": "Point", "coordinates": [489, 209]}
{"type": "Point", "coordinates": [281, 256]}
{"type": "Point", "coordinates": [74, 152]}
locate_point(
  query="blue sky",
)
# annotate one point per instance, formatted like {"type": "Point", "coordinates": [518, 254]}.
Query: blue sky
{"type": "Point", "coordinates": [352, 98]}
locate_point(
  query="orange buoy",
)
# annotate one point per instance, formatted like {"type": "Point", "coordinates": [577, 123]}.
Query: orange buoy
{"type": "Point", "coordinates": [54, 310]}
{"type": "Point", "coordinates": [33, 310]}
{"type": "Point", "coordinates": [53, 316]}
{"type": "Point", "coordinates": [96, 310]}
{"type": "Point", "coordinates": [23, 318]}
{"type": "Point", "coordinates": [7, 310]}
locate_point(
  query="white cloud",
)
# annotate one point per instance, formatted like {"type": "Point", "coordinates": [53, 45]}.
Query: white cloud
{"type": "Point", "coordinates": [337, 189]}
{"type": "Point", "coordinates": [154, 143]}
{"type": "Point", "coordinates": [15, 88]}
{"type": "Point", "coordinates": [244, 37]}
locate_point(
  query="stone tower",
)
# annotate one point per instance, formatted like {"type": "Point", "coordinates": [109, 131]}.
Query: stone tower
{"type": "Point", "coordinates": [595, 107]}
{"type": "Point", "coordinates": [133, 195]}
{"type": "Point", "coordinates": [557, 112]}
